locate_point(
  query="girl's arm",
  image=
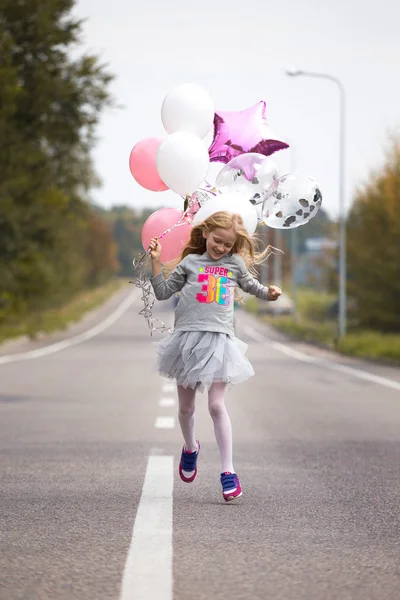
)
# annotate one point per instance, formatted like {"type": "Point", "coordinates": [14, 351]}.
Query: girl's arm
{"type": "Point", "coordinates": [252, 286]}
{"type": "Point", "coordinates": [164, 288]}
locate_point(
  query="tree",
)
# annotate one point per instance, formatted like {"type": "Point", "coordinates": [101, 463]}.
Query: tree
{"type": "Point", "coordinates": [127, 227]}
{"type": "Point", "coordinates": [101, 251]}
{"type": "Point", "coordinates": [319, 226]}
{"type": "Point", "coordinates": [50, 104]}
{"type": "Point", "coordinates": [373, 234]}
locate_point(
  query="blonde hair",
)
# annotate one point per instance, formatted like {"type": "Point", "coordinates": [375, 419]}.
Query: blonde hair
{"type": "Point", "coordinates": [245, 245]}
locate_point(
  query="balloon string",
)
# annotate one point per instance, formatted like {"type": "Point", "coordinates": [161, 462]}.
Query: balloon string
{"type": "Point", "coordinates": [141, 264]}
{"type": "Point", "coordinates": [191, 203]}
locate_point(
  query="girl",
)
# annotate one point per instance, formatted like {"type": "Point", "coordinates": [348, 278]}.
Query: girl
{"type": "Point", "coordinates": [203, 352]}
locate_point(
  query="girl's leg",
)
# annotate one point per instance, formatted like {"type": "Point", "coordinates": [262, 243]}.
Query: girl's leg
{"type": "Point", "coordinates": [186, 398]}
{"type": "Point", "coordinates": [222, 425]}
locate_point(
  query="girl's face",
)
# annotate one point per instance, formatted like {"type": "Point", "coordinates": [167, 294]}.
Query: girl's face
{"type": "Point", "coordinates": [219, 242]}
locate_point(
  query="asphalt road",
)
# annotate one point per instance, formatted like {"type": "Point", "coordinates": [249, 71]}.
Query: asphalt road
{"type": "Point", "coordinates": [316, 445]}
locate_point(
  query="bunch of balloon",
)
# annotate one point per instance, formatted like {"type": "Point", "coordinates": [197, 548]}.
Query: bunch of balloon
{"type": "Point", "coordinates": [179, 162]}
{"type": "Point", "coordinates": [248, 184]}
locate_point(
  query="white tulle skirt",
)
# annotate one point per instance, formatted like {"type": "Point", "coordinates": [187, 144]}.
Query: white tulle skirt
{"type": "Point", "coordinates": [197, 359]}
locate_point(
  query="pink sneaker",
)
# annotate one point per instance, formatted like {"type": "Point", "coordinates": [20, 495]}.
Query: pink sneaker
{"type": "Point", "coordinates": [231, 488]}
{"type": "Point", "coordinates": [189, 464]}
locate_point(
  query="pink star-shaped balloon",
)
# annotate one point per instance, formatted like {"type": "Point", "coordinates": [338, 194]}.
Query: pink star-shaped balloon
{"type": "Point", "coordinates": [243, 131]}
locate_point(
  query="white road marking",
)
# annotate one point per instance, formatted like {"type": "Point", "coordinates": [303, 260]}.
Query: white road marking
{"type": "Point", "coordinates": [168, 387]}
{"type": "Point", "coordinates": [164, 423]}
{"type": "Point", "coordinates": [384, 381]}
{"type": "Point", "coordinates": [73, 341]}
{"type": "Point", "coordinates": [167, 402]}
{"type": "Point", "coordinates": [148, 567]}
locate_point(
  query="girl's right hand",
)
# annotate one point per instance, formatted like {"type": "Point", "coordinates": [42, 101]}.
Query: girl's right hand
{"type": "Point", "coordinates": [155, 249]}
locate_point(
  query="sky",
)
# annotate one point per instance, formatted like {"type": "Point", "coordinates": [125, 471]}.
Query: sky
{"type": "Point", "coordinates": [239, 52]}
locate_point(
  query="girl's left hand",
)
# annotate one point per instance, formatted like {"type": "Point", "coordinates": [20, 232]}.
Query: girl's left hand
{"type": "Point", "coordinates": [274, 292]}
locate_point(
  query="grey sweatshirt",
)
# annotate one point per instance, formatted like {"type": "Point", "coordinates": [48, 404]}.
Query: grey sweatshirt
{"type": "Point", "coordinates": [207, 291]}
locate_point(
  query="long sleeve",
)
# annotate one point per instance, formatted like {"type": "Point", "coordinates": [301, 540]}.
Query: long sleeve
{"type": "Point", "coordinates": [250, 284]}
{"type": "Point", "coordinates": [165, 288]}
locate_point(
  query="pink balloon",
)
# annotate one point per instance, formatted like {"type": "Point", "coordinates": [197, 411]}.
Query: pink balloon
{"type": "Point", "coordinates": [142, 163]}
{"type": "Point", "coordinates": [172, 242]}
{"type": "Point", "coordinates": [243, 131]}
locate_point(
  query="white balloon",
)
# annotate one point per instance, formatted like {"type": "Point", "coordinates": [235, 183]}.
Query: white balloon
{"type": "Point", "coordinates": [182, 162]}
{"type": "Point", "coordinates": [233, 203]}
{"type": "Point", "coordinates": [188, 107]}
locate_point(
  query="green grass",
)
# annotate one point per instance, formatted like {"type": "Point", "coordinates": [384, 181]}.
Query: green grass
{"type": "Point", "coordinates": [305, 329]}
{"type": "Point", "coordinates": [313, 305]}
{"type": "Point", "coordinates": [313, 325]}
{"type": "Point", "coordinates": [57, 319]}
{"type": "Point", "coordinates": [371, 345]}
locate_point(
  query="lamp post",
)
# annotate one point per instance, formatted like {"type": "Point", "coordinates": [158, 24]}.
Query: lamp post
{"type": "Point", "coordinates": [294, 242]}
{"type": "Point", "coordinates": [342, 210]}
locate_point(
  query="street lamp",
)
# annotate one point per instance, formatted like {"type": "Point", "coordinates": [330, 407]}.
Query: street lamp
{"type": "Point", "coordinates": [342, 211]}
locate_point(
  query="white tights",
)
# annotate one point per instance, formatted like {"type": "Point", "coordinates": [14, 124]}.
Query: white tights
{"type": "Point", "coordinates": [219, 415]}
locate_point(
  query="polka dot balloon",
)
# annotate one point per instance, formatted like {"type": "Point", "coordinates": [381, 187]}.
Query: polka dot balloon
{"type": "Point", "coordinates": [249, 174]}
{"type": "Point", "coordinates": [291, 201]}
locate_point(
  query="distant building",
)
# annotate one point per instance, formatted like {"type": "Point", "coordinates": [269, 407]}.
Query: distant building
{"type": "Point", "coordinates": [312, 264]}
